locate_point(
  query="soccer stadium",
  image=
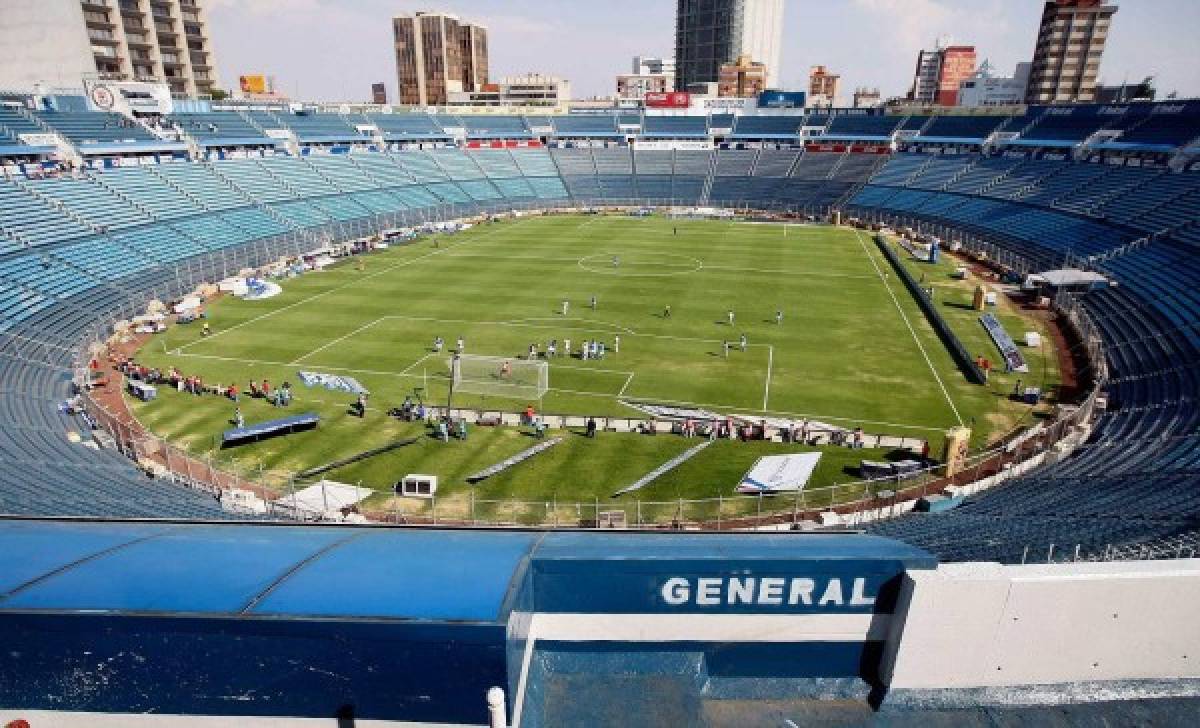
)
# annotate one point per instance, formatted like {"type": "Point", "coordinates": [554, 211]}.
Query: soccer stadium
{"type": "Point", "coordinates": [668, 413]}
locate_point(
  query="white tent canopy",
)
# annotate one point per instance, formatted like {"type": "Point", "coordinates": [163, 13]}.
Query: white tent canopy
{"type": "Point", "coordinates": [1067, 277]}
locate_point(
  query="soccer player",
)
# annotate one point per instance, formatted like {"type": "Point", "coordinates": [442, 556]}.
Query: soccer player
{"type": "Point", "coordinates": [593, 303]}
{"type": "Point", "coordinates": [438, 343]}
{"type": "Point", "coordinates": [617, 344]}
{"type": "Point", "coordinates": [565, 305]}
{"type": "Point", "coordinates": [551, 349]}
{"type": "Point", "coordinates": [743, 342]}
{"type": "Point", "coordinates": [729, 315]}
{"type": "Point", "coordinates": [567, 348]}
{"type": "Point", "coordinates": [505, 369]}
{"type": "Point", "coordinates": [778, 317]}
{"type": "Point", "coordinates": [533, 352]}
{"type": "Point", "coordinates": [667, 311]}
{"type": "Point", "coordinates": [462, 345]}
{"type": "Point", "coordinates": [616, 261]}
{"type": "Point", "coordinates": [725, 348]}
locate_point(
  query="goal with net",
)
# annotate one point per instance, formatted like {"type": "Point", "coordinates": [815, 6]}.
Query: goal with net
{"type": "Point", "coordinates": [498, 376]}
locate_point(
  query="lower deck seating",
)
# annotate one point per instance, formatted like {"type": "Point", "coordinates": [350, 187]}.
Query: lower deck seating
{"type": "Point", "coordinates": [1135, 481]}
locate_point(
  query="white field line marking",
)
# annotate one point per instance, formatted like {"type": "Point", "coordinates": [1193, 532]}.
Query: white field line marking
{"type": "Point", "coordinates": [911, 330]}
{"type": "Point", "coordinates": [412, 366]}
{"type": "Point", "coordinates": [626, 386]}
{"type": "Point", "coordinates": [338, 340]}
{"type": "Point", "coordinates": [516, 324]}
{"type": "Point", "coordinates": [570, 318]}
{"type": "Point", "coordinates": [770, 364]}
{"type": "Point", "coordinates": [503, 256]}
{"type": "Point", "coordinates": [648, 400]}
{"type": "Point", "coordinates": [316, 296]}
{"type": "Point", "coordinates": [802, 273]}
{"type": "Point", "coordinates": [703, 266]}
{"type": "Point", "coordinates": [267, 362]}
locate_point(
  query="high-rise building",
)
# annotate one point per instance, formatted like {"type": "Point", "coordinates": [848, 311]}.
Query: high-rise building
{"type": "Point", "coordinates": [1070, 43]}
{"type": "Point", "coordinates": [711, 33]}
{"type": "Point", "coordinates": [743, 78]}
{"type": "Point", "coordinates": [378, 93]}
{"type": "Point", "coordinates": [867, 98]}
{"type": "Point", "coordinates": [650, 75]}
{"type": "Point", "coordinates": [654, 66]}
{"type": "Point", "coordinates": [985, 88]}
{"type": "Point", "coordinates": [58, 42]}
{"type": "Point", "coordinates": [438, 54]}
{"type": "Point", "coordinates": [940, 71]}
{"type": "Point", "coordinates": [823, 86]}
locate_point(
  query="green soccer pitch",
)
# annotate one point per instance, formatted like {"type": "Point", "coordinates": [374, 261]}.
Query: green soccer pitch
{"type": "Point", "coordinates": [852, 349]}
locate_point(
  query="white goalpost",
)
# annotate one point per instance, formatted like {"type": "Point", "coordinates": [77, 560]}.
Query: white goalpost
{"type": "Point", "coordinates": [499, 376]}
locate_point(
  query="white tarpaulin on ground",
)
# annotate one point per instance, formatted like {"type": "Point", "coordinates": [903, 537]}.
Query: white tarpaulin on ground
{"type": "Point", "coordinates": [324, 498]}
{"type": "Point", "coordinates": [778, 473]}
{"type": "Point", "coordinates": [189, 303]}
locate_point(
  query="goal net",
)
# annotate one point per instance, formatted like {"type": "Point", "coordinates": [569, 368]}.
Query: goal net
{"type": "Point", "coordinates": [499, 376]}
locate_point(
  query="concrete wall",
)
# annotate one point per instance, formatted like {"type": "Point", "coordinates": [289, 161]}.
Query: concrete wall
{"type": "Point", "coordinates": [43, 41]}
{"type": "Point", "coordinates": [985, 625]}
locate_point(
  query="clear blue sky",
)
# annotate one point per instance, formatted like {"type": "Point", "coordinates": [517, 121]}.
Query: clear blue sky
{"type": "Point", "coordinates": [334, 49]}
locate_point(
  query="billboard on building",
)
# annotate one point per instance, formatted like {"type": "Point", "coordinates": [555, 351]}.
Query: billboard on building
{"type": "Point", "coordinates": [668, 100]}
{"type": "Point", "coordinates": [256, 84]}
{"type": "Point", "coordinates": [378, 93]}
{"type": "Point", "coordinates": [782, 99]}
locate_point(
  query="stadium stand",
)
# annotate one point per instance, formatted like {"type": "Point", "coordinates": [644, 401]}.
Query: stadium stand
{"type": "Point", "coordinates": [102, 239]}
{"type": "Point", "coordinates": [95, 127]}
{"type": "Point", "coordinates": [220, 128]}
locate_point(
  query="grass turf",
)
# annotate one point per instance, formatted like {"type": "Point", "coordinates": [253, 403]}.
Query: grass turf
{"type": "Point", "coordinates": [843, 353]}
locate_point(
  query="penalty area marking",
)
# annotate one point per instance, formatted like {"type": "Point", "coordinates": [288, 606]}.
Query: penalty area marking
{"type": "Point", "coordinates": [767, 386]}
{"type": "Point", "coordinates": [646, 400]}
{"type": "Point", "coordinates": [338, 340]}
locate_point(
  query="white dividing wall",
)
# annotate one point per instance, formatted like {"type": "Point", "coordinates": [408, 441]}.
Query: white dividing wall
{"type": "Point", "coordinates": [987, 625]}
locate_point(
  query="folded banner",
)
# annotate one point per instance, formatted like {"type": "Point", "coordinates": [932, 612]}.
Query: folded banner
{"type": "Point", "coordinates": [332, 381]}
{"type": "Point", "coordinates": [779, 473]}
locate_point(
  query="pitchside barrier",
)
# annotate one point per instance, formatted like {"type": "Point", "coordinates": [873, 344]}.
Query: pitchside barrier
{"type": "Point", "coordinates": [974, 374]}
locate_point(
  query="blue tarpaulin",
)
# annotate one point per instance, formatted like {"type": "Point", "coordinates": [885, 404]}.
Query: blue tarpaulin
{"type": "Point", "coordinates": [270, 428]}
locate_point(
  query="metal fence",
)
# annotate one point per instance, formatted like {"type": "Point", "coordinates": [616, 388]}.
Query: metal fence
{"type": "Point", "coordinates": [848, 504]}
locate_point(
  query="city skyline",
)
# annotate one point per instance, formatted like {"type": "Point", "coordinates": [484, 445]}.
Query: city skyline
{"type": "Point", "coordinates": [1146, 40]}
